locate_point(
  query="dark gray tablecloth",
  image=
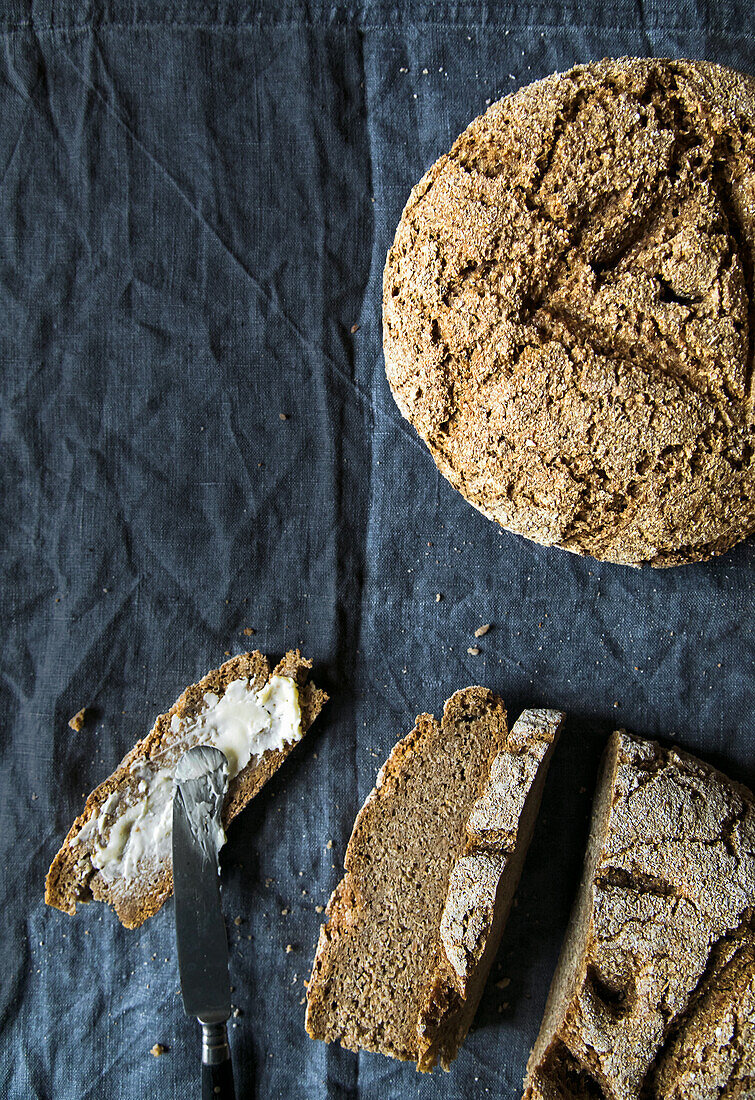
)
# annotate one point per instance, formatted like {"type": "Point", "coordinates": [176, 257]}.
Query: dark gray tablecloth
{"type": "Point", "coordinates": [195, 203]}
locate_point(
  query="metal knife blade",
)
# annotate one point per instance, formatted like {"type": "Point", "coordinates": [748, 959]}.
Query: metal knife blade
{"type": "Point", "coordinates": [200, 783]}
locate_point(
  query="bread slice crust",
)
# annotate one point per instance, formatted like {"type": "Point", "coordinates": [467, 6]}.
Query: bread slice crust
{"type": "Point", "coordinates": [654, 993]}
{"type": "Point", "coordinates": [72, 878]}
{"type": "Point", "coordinates": [414, 924]}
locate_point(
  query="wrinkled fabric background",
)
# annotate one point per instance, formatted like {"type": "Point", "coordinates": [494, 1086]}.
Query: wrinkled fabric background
{"type": "Point", "coordinates": [195, 205]}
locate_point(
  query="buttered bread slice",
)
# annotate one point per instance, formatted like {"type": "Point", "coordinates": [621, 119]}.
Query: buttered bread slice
{"type": "Point", "coordinates": [119, 849]}
{"type": "Point", "coordinates": [431, 867]}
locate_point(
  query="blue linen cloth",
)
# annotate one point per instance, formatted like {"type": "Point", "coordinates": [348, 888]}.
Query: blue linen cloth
{"type": "Point", "coordinates": [196, 200]}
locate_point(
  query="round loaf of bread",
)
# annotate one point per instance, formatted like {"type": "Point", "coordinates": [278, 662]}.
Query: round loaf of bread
{"type": "Point", "coordinates": [568, 311]}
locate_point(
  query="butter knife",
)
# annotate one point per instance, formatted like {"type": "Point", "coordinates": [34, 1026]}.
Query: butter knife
{"type": "Point", "coordinates": [200, 784]}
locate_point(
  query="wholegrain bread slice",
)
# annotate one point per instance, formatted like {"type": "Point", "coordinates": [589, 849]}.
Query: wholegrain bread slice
{"type": "Point", "coordinates": [654, 993]}
{"type": "Point", "coordinates": [431, 867]}
{"type": "Point", "coordinates": [73, 878]}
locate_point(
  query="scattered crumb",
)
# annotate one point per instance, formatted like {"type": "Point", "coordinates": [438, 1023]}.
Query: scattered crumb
{"type": "Point", "coordinates": [481, 630]}
{"type": "Point", "coordinates": [473, 651]}
{"type": "Point", "coordinates": [289, 948]}
{"type": "Point", "coordinates": [77, 722]}
{"type": "Point", "coordinates": [503, 983]}
{"type": "Point", "coordinates": [158, 1049]}
{"type": "Point", "coordinates": [226, 653]}
{"type": "Point", "coordinates": [34, 797]}
{"type": "Point", "coordinates": [319, 908]}
{"type": "Point", "coordinates": [237, 921]}
{"type": "Point", "coordinates": [438, 597]}
{"type": "Point", "coordinates": [237, 1012]}
{"type": "Point", "coordinates": [285, 912]}
{"type": "Point", "coordinates": [283, 416]}
{"type": "Point", "coordinates": [248, 631]}
{"type": "Point", "coordinates": [303, 1001]}
{"type": "Point", "coordinates": [353, 329]}
{"type": "Point", "coordinates": [329, 845]}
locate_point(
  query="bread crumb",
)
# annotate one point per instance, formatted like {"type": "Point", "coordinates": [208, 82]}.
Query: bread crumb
{"type": "Point", "coordinates": [283, 416]}
{"type": "Point", "coordinates": [285, 912]}
{"type": "Point", "coordinates": [329, 845]}
{"type": "Point", "coordinates": [473, 651]}
{"type": "Point", "coordinates": [438, 597]}
{"type": "Point", "coordinates": [353, 329]}
{"type": "Point", "coordinates": [503, 983]}
{"type": "Point", "coordinates": [319, 908]}
{"type": "Point", "coordinates": [158, 1049]}
{"type": "Point", "coordinates": [248, 631]}
{"type": "Point", "coordinates": [237, 1012]}
{"type": "Point", "coordinates": [237, 921]}
{"type": "Point", "coordinates": [481, 630]}
{"type": "Point", "coordinates": [77, 722]}
{"type": "Point", "coordinates": [289, 948]}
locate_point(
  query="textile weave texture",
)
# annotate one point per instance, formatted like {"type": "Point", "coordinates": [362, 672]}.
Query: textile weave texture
{"type": "Point", "coordinates": [196, 201]}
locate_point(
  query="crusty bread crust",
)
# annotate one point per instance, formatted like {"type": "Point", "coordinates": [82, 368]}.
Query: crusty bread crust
{"type": "Point", "coordinates": [654, 992]}
{"type": "Point", "coordinates": [569, 313]}
{"type": "Point", "coordinates": [478, 832]}
{"type": "Point", "coordinates": [482, 884]}
{"type": "Point", "coordinates": [72, 877]}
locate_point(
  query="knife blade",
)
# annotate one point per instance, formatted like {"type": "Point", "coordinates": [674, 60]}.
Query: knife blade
{"type": "Point", "coordinates": [200, 783]}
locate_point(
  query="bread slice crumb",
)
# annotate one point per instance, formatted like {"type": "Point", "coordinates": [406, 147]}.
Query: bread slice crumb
{"type": "Point", "coordinates": [77, 722]}
{"type": "Point", "coordinates": [431, 868]}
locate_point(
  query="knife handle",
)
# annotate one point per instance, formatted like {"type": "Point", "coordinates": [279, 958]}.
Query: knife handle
{"type": "Point", "coordinates": [217, 1069]}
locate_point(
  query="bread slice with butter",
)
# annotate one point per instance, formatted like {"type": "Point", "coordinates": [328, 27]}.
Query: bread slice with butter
{"type": "Point", "coordinates": [431, 868]}
{"type": "Point", "coordinates": [119, 849]}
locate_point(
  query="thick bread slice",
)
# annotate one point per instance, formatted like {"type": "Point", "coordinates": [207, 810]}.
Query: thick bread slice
{"type": "Point", "coordinates": [72, 877]}
{"type": "Point", "coordinates": [654, 993]}
{"type": "Point", "coordinates": [431, 867]}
